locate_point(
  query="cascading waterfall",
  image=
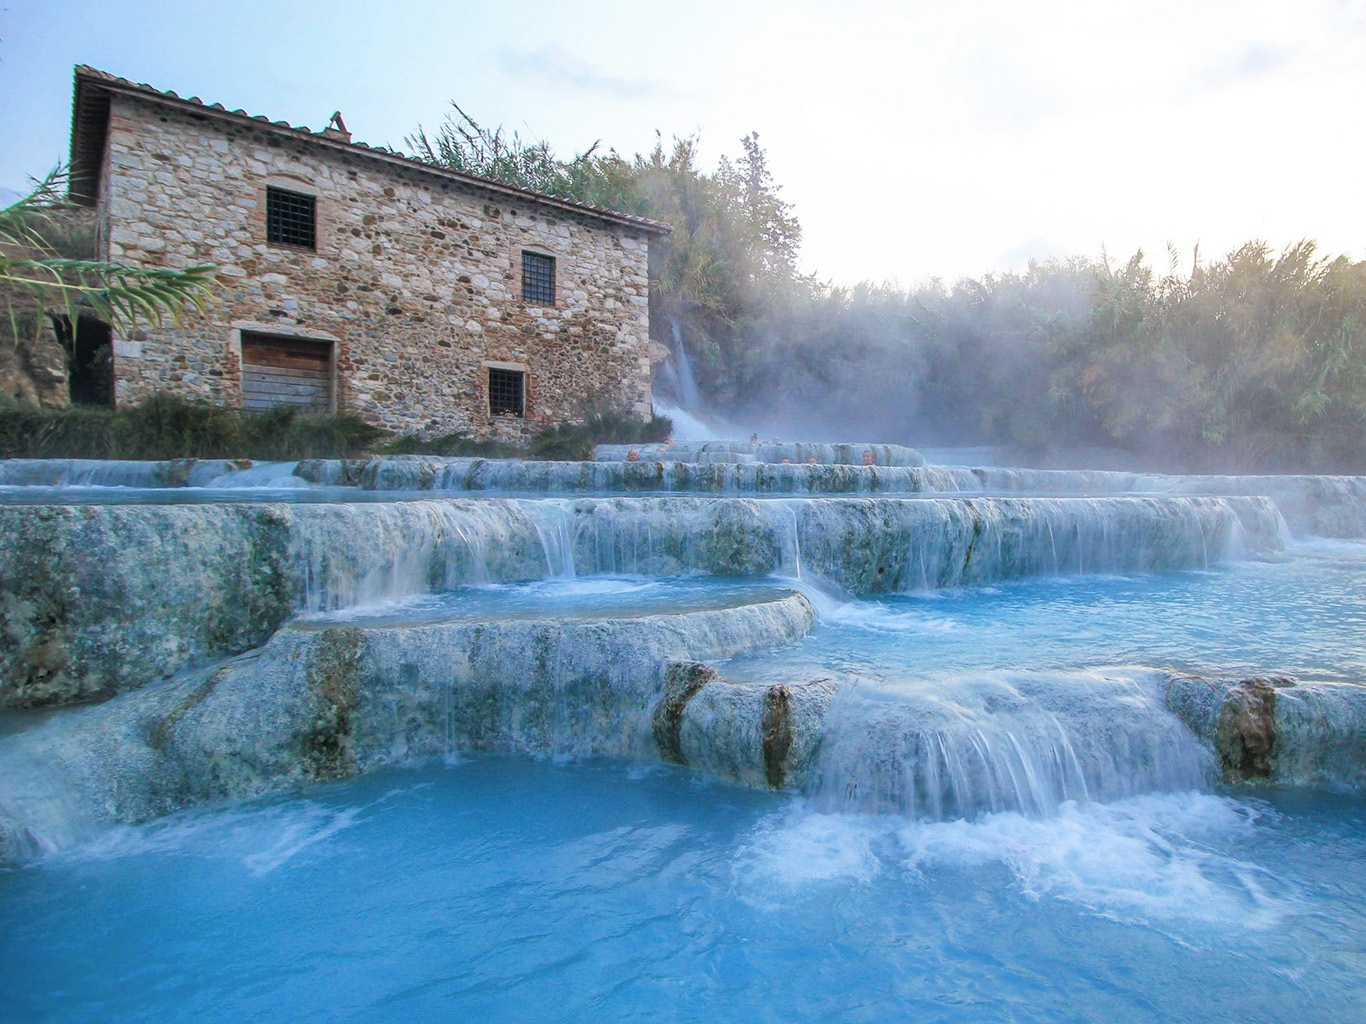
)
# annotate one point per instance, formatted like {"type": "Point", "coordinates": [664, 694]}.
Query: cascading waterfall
{"type": "Point", "coordinates": [1050, 745]}
{"type": "Point", "coordinates": [789, 542]}
{"type": "Point", "coordinates": [167, 586]}
{"type": "Point", "coordinates": [1321, 506]}
{"type": "Point", "coordinates": [265, 476]}
{"type": "Point", "coordinates": [687, 383]}
{"type": "Point", "coordinates": [278, 559]}
{"type": "Point", "coordinates": [1027, 742]}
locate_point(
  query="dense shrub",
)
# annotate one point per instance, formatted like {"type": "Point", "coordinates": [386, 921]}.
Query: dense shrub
{"type": "Point", "coordinates": [607, 427]}
{"type": "Point", "coordinates": [166, 427]}
{"type": "Point", "coordinates": [456, 444]}
{"type": "Point", "coordinates": [574, 441]}
{"type": "Point", "coordinates": [561, 442]}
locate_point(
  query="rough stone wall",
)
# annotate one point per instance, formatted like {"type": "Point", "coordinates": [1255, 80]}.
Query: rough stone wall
{"type": "Point", "coordinates": [416, 280]}
{"type": "Point", "coordinates": [32, 361]}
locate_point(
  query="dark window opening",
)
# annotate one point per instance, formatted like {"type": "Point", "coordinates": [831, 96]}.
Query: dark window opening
{"type": "Point", "coordinates": [538, 278]}
{"type": "Point", "coordinates": [507, 392]}
{"type": "Point", "coordinates": [89, 360]}
{"type": "Point", "coordinates": [291, 218]}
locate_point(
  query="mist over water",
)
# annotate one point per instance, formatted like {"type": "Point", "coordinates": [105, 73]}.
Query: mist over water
{"type": "Point", "coordinates": [1071, 364]}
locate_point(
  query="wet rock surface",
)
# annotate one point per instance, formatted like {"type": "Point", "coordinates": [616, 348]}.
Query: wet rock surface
{"type": "Point", "coordinates": [181, 614]}
{"type": "Point", "coordinates": [1245, 738]}
{"type": "Point", "coordinates": [1273, 730]}
{"type": "Point", "coordinates": [97, 598]}
{"type": "Point", "coordinates": [101, 598]}
{"type": "Point", "coordinates": [314, 705]}
{"type": "Point", "coordinates": [765, 736]}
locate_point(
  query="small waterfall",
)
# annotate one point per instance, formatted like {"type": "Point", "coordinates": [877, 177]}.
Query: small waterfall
{"type": "Point", "coordinates": [86, 473]}
{"type": "Point", "coordinates": [790, 541]}
{"type": "Point", "coordinates": [475, 545]}
{"type": "Point", "coordinates": [687, 383]}
{"type": "Point", "coordinates": [263, 475]}
{"type": "Point", "coordinates": [958, 748]}
{"type": "Point", "coordinates": [40, 811]}
{"type": "Point", "coordinates": [346, 556]}
{"type": "Point", "coordinates": [552, 522]}
{"type": "Point", "coordinates": [389, 555]}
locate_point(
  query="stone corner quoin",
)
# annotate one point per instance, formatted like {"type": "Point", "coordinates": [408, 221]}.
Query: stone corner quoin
{"type": "Point", "coordinates": [414, 289]}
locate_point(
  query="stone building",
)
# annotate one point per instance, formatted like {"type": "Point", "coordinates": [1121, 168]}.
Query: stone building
{"type": "Point", "coordinates": [356, 280]}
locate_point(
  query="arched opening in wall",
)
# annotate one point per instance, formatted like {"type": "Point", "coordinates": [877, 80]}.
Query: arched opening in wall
{"type": "Point", "coordinates": [89, 360]}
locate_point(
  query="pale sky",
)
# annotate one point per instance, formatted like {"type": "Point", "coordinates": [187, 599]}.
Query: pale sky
{"type": "Point", "coordinates": [915, 139]}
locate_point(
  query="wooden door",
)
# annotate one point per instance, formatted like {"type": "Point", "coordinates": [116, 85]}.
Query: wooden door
{"type": "Point", "coordinates": [295, 372]}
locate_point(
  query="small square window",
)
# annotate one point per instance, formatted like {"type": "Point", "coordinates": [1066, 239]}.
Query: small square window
{"type": "Point", "coordinates": [507, 392]}
{"type": "Point", "coordinates": [291, 218]}
{"type": "Point", "coordinates": [538, 278]}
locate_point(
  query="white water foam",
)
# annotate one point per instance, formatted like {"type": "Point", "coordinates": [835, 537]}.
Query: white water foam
{"type": "Point", "coordinates": [263, 839]}
{"type": "Point", "coordinates": [266, 476]}
{"type": "Point", "coordinates": [1146, 859]}
{"type": "Point", "coordinates": [1157, 860]}
{"type": "Point", "coordinates": [694, 425]}
{"type": "Point", "coordinates": [798, 846]}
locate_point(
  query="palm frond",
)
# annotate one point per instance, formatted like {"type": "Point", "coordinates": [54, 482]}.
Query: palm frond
{"type": "Point", "coordinates": [57, 284]}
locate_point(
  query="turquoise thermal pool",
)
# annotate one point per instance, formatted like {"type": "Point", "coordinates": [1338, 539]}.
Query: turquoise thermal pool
{"type": "Point", "coordinates": [1302, 613]}
{"type": "Point", "coordinates": [506, 889]}
{"type": "Point", "coordinates": [741, 741]}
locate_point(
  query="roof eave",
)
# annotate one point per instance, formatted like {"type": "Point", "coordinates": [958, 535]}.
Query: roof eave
{"type": "Point", "coordinates": [88, 79]}
{"type": "Point", "coordinates": [89, 128]}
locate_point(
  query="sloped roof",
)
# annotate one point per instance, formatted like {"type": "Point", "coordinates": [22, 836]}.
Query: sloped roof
{"type": "Point", "coordinates": [90, 125]}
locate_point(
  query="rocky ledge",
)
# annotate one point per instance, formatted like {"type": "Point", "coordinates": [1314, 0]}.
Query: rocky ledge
{"type": "Point", "coordinates": [329, 703]}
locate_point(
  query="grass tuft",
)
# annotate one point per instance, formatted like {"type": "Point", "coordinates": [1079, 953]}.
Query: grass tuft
{"type": "Point", "coordinates": [168, 427]}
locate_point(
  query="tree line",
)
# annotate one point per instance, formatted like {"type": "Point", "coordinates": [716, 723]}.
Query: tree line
{"type": "Point", "coordinates": [1253, 360]}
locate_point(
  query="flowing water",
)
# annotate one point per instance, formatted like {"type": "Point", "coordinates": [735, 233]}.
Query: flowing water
{"type": "Point", "coordinates": [687, 382]}
{"type": "Point", "coordinates": [991, 809]}
{"type": "Point", "coordinates": [498, 889]}
{"type": "Point", "coordinates": [1302, 613]}
{"type": "Point", "coordinates": [567, 596]}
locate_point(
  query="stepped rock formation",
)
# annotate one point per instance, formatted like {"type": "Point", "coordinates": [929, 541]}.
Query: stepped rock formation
{"type": "Point", "coordinates": [1324, 506]}
{"type": "Point", "coordinates": [99, 598]}
{"type": "Point", "coordinates": [197, 623]}
{"type": "Point", "coordinates": [315, 704]}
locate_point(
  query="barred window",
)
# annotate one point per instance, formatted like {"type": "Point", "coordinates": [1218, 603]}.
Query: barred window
{"type": "Point", "coordinates": [291, 218]}
{"type": "Point", "coordinates": [538, 278]}
{"type": "Point", "coordinates": [507, 391]}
